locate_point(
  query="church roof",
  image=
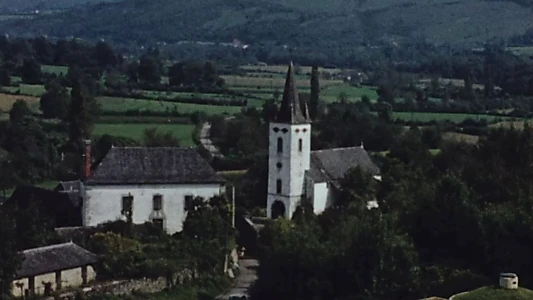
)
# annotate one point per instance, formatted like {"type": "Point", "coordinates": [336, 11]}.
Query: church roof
{"type": "Point", "coordinates": [153, 165]}
{"type": "Point", "coordinates": [292, 110]}
{"type": "Point", "coordinates": [54, 258]}
{"type": "Point", "coordinates": [331, 165]}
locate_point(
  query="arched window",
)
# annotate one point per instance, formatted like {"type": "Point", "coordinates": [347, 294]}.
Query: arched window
{"type": "Point", "coordinates": [300, 145]}
{"type": "Point", "coordinates": [280, 145]}
{"type": "Point", "coordinates": [278, 186]}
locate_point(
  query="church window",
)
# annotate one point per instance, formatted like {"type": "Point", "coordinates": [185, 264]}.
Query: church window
{"type": "Point", "coordinates": [300, 145]}
{"type": "Point", "coordinates": [278, 186]}
{"type": "Point", "coordinates": [276, 129]}
{"type": "Point", "coordinates": [279, 165]}
{"type": "Point", "coordinates": [280, 145]}
{"type": "Point", "coordinates": [157, 202]}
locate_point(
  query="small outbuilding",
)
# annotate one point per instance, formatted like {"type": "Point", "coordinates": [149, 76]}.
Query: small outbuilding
{"type": "Point", "coordinates": [509, 281]}
{"type": "Point", "coordinates": [53, 268]}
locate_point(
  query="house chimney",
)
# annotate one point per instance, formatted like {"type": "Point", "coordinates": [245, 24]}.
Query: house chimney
{"type": "Point", "coordinates": [87, 162]}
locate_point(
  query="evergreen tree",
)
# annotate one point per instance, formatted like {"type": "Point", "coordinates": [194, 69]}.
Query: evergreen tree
{"type": "Point", "coordinates": [81, 114]}
{"type": "Point", "coordinates": [18, 111]}
{"type": "Point", "coordinates": [54, 103]}
{"type": "Point", "coordinates": [315, 93]}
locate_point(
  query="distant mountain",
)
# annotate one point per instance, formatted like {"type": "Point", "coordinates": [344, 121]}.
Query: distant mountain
{"type": "Point", "coordinates": [293, 22]}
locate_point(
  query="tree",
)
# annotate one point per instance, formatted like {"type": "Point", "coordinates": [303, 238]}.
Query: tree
{"type": "Point", "coordinates": [54, 102]}
{"type": "Point", "coordinates": [18, 111]}
{"type": "Point", "coordinates": [5, 79]}
{"type": "Point", "coordinates": [315, 93]}
{"type": "Point", "coordinates": [149, 70]}
{"type": "Point", "coordinates": [82, 113]}
{"type": "Point", "coordinates": [31, 72]}
{"type": "Point", "coordinates": [105, 55]}
{"type": "Point", "coordinates": [153, 138]}
{"type": "Point", "coordinates": [177, 74]}
{"type": "Point", "coordinates": [34, 227]}
{"type": "Point", "coordinates": [10, 260]}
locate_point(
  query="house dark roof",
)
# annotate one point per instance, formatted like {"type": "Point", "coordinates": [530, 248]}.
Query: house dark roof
{"type": "Point", "coordinates": [331, 165]}
{"type": "Point", "coordinates": [54, 258]}
{"type": "Point", "coordinates": [3, 199]}
{"type": "Point", "coordinates": [141, 165]}
{"type": "Point", "coordinates": [58, 206]}
{"type": "Point", "coordinates": [292, 111]}
{"type": "Point", "coordinates": [71, 189]}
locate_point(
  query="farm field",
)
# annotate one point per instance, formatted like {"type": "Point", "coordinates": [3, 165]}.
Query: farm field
{"type": "Point", "coordinates": [183, 132]}
{"type": "Point", "coordinates": [116, 104]}
{"type": "Point", "coordinates": [453, 117]}
{"type": "Point", "coordinates": [331, 93]}
{"type": "Point", "coordinates": [26, 89]}
{"type": "Point", "coordinates": [7, 100]}
{"type": "Point", "coordinates": [527, 51]}
{"type": "Point", "coordinates": [272, 83]}
{"type": "Point", "coordinates": [519, 125]}
{"type": "Point", "coordinates": [54, 69]}
{"type": "Point", "coordinates": [460, 137]}
{"type": "Point", "coordinates": [282, 69]}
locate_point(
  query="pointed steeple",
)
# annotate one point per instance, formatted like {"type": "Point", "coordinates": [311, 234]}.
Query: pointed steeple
{"type": "Point", "coordinates": [292, 111]}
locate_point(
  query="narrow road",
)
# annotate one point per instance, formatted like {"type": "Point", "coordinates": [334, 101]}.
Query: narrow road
{"type": "Point", "coordinates": [246, 278]}
{"type": "Point", "coordinates": [206, 142]}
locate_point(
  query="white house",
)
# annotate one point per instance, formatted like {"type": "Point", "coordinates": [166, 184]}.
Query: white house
{"type": "Point", "coordinates": [294, 171]}
{"type": "Point", "coordinates": [153, 183]}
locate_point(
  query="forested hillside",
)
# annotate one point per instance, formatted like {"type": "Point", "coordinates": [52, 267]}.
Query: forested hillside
{"type": "Point", "coordinates": [292, 22]}
{"type": "Point", "coordinates": [25, 6]}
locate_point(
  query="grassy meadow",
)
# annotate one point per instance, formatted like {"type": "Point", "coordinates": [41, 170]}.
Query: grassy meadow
{"type": "Point", "coordinates": [54, 69]}
{"type": "Point", "coordinates": [183, 132]}
{"type": "Point", "coordinates": [26, 89]}
{"type": "Point", "coordinates": [453, 117]}
{"type": "Point", "coordinates": [116, 104]}
{"type": "Point", "coordinates": [7, 100]}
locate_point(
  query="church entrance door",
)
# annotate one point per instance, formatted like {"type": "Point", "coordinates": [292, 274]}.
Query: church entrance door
{"type": "Point", "coordinates": [278, 209]}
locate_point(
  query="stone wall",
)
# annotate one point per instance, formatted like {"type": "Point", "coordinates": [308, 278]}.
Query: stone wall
{"type": "Point", "coordinates": [127, 287]}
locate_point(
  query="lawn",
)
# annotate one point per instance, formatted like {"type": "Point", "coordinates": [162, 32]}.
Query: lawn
{"type": "Point", "coordinates": [460, 137]}
{"type": "Point", "coordinates": [453, 117]}
{"type": "Point", "coordinates": [135, 131]}
{"type": "Point", "coordinates": [282, 69]}
{"type": "Point", "coordinates": [117, 104]}
{"type": "Point", "coordinates": [331, 93]}
{"type": "Point", "coordinates": [496, 293]}
{"type": "Point", "coordinates": [7, 100]}
{"type": "Point", "coordinates": [54, 69]}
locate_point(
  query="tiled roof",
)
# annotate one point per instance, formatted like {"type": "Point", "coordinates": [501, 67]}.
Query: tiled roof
{"type": "Point", "coordinates": [146, 165]}
{"type": "Point", "coordinates": [54, 258]}
{"type": "Point", "coordinates": [71, 189]}
{"type": "Point", "coordinates": [331, 165]}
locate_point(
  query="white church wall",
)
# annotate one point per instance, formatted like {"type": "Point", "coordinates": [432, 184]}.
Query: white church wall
{"type": "Point", "coordinates": [321, 197]}
{"type": "Point", "coordinates": [104, 203]}
{"type": "Point", "coordinates": [293, 164]}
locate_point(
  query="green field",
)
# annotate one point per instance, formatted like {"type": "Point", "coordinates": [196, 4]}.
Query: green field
{"type": "Point", "coordinates": [116, 104]}
{"type": "Point", "coordinates": [54, 69]}
{"type": "Point", "coordinates": [26, 89]}
{"type": "Point", "coordinates": [135, 131]}
{"type": "Point", "coordinates": [427, 117]}
{"type": "Point", "coordinates": [331, 93]}
{"type": "Point", "coordinates": [496, 293]}
{"type": "Point", "coordinates": [272, 83]}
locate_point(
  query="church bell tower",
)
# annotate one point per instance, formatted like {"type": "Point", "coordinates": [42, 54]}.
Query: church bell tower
{"type": "Point", "coordinates": [289, 152]}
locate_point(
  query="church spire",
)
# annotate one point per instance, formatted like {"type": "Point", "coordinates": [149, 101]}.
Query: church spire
{"type": "Point", "coordinates": [292, 111]}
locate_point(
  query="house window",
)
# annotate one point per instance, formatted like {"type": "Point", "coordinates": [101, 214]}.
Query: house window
{"type": "Point", "coordinates": [300, 145]}
{"type": "Point", "coordinates": [278, 186]}
{"type": "Point", "coordinates": [158, 223]}
{"type": "Point", "coordinates": [188, 202]}
{"type": "Point", "coordinates": [280, 145]}
{"type": "Point", "coordinates": [157, 202]}
{"type": "Point", "coordinates": [127, 205]}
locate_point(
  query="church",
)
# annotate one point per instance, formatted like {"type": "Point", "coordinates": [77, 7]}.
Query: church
{"type": "Point", "coordinates": [294, 171]}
